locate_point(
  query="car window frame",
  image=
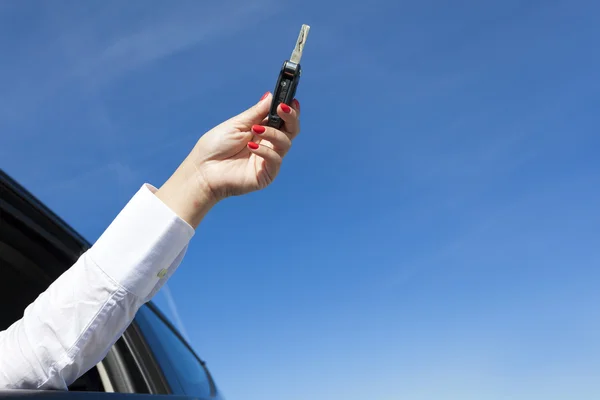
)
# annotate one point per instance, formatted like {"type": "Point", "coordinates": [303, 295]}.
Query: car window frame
{"type": "Point", "coordinates": [213, 392]}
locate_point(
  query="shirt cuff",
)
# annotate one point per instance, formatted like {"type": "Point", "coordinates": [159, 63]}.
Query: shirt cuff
{"type": "Point", "coordinates": [138, 247]}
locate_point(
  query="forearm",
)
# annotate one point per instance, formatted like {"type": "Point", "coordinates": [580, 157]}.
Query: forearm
{"type": "Point", "coordinates": [187, 194]}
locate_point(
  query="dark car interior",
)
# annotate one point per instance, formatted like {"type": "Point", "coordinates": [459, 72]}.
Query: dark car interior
{"type": "Point", "coordinates": [34, 251]}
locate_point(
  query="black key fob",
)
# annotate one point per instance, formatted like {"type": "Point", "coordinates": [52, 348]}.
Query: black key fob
{"type": "Point", "coordinates": [285, 90]}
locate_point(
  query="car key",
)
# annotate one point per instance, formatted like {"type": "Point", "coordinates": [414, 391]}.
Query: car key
{"type": "Point", "coordinates": [288, 80]}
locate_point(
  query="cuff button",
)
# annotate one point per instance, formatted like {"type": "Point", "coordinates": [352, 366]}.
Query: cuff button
{"type": "Point", "coordinates": [161, 274]}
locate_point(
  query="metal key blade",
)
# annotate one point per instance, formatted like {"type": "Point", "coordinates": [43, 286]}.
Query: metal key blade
{"type": "Point", "coordinates": [297, 53]}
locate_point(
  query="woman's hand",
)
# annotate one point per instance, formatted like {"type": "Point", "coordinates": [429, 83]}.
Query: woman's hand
{"type": "Point", "coordinates": [242, 155]}
{"type": "Point", "coordinates": [238, 156]}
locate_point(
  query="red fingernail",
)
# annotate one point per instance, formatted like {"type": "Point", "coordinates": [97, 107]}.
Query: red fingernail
{"type": "Point", "coordinates": [258, 129]}
{"type": "Point", "coordinates": [252, 145]}
{"type": "Point", "coordinates": [264, 96]}
{"type": "Point", "coordinates": [285, 108]}
{"type": "Point", "coordinates": [296, 104]}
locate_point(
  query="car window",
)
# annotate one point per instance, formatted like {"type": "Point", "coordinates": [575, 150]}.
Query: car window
{"type": "Point", "coordinates": [182, 369]}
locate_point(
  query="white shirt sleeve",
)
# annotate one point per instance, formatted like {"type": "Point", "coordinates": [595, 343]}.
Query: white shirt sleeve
{"type": "Point", "coordinates": [71, 326]}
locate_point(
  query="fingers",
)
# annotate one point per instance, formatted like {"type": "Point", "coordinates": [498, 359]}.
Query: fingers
{"type": "Point", "coordinates": [271, 157]}
{"type": "Point", "coordinates": [255, 114]}
{"type": "Point", "coordinates": [296, 106]}
{"type": "Point", "coordinates": [280, 142]}
{"type": "Point", "coordinates": [290, 116]}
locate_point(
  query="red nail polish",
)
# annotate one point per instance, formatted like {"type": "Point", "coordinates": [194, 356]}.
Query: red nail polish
{"type": "Point", "coordinates": [264, 96]}
{"type": "Point", "coordinates": [285, 108]}
{"type": "Point", "coordinates": [296, 104]}
{"type": "Point", "coordinates": [252, 145]}
{"type": "Point", "coordinates": [258, 129]}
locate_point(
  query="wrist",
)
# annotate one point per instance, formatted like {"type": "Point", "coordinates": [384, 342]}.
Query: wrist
{"type": "Point", "coordinates": [187, 194]}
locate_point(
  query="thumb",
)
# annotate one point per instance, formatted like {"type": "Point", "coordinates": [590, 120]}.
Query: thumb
{"type": "Point", "coordinates": [255, 114]}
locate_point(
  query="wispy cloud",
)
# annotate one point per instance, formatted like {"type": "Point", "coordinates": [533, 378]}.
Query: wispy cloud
{"type": "Point", "coordinates": [87, 50]}
{"type": "Point", "coordinates": [179, 30]}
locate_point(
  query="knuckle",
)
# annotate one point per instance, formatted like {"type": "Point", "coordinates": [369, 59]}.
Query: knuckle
{"type": "Point", "coordinates": [273, 134]}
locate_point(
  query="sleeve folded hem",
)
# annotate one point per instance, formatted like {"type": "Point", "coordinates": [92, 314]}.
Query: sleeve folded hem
{"type": "Point", "coordinates": [142, 242]}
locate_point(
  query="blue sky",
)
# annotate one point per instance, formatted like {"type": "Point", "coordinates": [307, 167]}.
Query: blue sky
{"type": "Point", "coordinates": [433, 234]}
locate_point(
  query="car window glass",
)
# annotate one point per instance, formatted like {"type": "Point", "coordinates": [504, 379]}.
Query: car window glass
{"type": "Point", "coordinates": [183, 371]}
